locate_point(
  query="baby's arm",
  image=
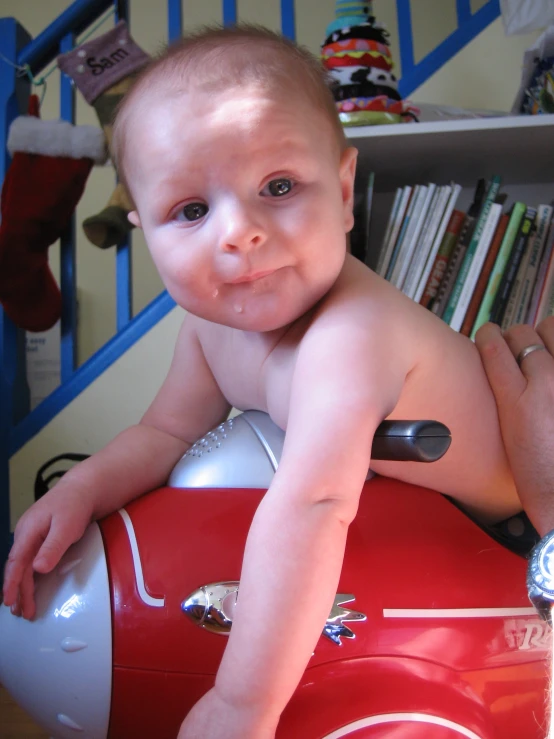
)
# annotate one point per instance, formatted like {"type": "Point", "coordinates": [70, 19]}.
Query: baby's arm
{"type": "Point", "coordinates": [138, 460]}
{"type": "Point", "coordinates": [296, 543]}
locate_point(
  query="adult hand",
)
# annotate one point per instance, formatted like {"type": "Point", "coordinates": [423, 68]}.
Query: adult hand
{"type": "Point", "coordinates": [524, 392]}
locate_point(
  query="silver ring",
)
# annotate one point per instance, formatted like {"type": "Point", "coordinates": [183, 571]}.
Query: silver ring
{"type": "Point", "coordinates": [528, 350]}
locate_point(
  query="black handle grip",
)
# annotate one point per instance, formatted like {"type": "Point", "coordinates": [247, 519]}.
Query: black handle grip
{"type": "Point", "coordinates": [410, 441]}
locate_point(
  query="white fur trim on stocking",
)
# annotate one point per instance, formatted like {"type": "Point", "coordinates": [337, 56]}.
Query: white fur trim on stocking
{"type": "Point", "coordinates": [56, 139]}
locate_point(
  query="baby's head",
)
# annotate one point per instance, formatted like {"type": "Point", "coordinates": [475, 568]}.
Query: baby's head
{"type": "Point", "coordinates": [230, 142]}
{"type": "Point", "coordinates": [217, 59]}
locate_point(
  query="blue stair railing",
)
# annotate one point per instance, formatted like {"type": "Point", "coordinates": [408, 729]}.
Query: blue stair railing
{"type": "Point", "coordinates": [23, 57]}
{"type": "Point", "coordinates": [469, 25]}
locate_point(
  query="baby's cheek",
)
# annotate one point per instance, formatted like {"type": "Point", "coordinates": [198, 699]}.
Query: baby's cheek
{"type": "Point", "coordinates": [176, 261]}
{"type": "Point", "coordinates": [304, 220]}
{"type": "Point", "coordinates": [322, 209]}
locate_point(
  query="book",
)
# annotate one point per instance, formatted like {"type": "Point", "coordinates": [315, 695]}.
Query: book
{"type": "Point", "coordinates": [355, 239]}
{"type": "Point", "coordinates": [470, 281]}
{"type": "Point", "coordinates": [421, 203]}
{"type": "Point", "coordinates": [531, 316]}
{"type": "Point", "coordinates": [483, 315]}
{"type": "Point", "coordinates": [480, 287]}
{"type": "Point", "coordinates": [441, 260]}
{"type": "Point", "coordinates": [388, 230]}
{"type": "Point", "coordinates": [515, 291]}
{"type": "Point", "coordinates": [546, 303]}
{"type": "Point", "coordinates": [452, 192]}
{"type": "Point", "coordinates": [548, 268]}
{"type": "Point", "coordinates": [397, 250]}
{"type": "Point", "coordinates": [492, 192]}
{"type": "Point", "coordinates": [395, 228]}
{"type": "Point", "coordinates": [368, 203]}
{"type": "Point", "coordinates": [456, 258]}
{"type": "Point", "coordinates": [430, 223]}
{"type": "Point", "coordinates": [428, 231]}
{"type": "Point", "coordinates": [412, 252]}
{"type": "Point", "coordinates": [544, 218]}
{"type": "Point", "coordinates": [418, 219]}
{"type": "Point", "coordinates": [508, 278]}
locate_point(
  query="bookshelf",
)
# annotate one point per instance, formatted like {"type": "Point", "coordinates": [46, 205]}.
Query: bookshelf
{"type": "Point", "coordinates": [519, 148]}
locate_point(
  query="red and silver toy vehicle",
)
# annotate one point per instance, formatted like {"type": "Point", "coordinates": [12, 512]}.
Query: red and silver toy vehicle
{"type": "Point", "coordinates": [431, 636]}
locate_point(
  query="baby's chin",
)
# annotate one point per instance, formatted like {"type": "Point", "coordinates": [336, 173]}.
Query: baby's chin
{"type": "Point", "coordinates": [247, 318]}
{"type": "Point", "coordinates": [251, 308]}
{"type": "Point", "coordinates": [255, 323]}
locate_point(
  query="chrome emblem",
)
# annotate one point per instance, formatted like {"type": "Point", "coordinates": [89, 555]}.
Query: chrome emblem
{"type": "Point", "coordinates": [334, 627]}
{"type": "Point", "coordinates": [212, 607]}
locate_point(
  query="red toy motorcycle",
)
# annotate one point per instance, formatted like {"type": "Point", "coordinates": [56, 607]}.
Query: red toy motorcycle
{"type": "Point", "coordinates": [431, 635]}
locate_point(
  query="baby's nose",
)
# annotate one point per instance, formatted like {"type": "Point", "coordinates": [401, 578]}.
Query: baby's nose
{"type": "Point", "coordinates": [243, 230]}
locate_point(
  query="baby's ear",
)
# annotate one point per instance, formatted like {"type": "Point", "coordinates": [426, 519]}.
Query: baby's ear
{"type": "Point", "coordinates": [347, 173]}
{"type": "Point", "coordinates": [134, 218]}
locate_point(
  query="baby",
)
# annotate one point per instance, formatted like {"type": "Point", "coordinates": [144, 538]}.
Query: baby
{"type": "Point", "coordinates": [242, 181]}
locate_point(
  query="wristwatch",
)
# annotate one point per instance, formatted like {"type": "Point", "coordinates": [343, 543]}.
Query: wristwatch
{"type": "Point", "coordinates": [540, 576]}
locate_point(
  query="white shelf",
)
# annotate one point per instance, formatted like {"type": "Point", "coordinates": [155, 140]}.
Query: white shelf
{"type": "Point", "coordinates": [519, 148]}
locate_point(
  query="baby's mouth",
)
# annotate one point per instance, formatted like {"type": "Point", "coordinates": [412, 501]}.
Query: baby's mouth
{"type": "Point", "coordinates": [251, 277]}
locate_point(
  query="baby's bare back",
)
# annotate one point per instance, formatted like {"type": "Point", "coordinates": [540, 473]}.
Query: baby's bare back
{"type": "Point", "coordinates": [441, 378]}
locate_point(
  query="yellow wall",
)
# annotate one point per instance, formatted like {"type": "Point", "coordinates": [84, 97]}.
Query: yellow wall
{"type": "Point", "coordinates": [113, 402]}
{"type": "Point", "coordinates": [484, 75]}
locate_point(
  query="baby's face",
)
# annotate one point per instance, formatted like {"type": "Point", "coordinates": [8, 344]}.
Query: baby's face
{"type": "Point", "coordinates": [244, 200]}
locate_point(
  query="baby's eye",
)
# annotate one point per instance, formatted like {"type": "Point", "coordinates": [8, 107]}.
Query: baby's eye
{"type": "Point", "coordinates": [279, 187]}
{"type": "Point", "coordinates": [193, 211]}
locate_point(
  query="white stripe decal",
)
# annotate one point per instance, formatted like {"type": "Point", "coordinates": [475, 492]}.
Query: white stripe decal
{"type": "Point", "coordinates": [457, 612]}
{"type": "Point", "coordinates": [390, 718]}
{"type": "Point", "coordinates": [148, 599]}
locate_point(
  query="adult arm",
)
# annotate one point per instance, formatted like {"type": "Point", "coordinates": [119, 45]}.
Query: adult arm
{"type": "Point", "coordinates": [525, 399]}
{"type": "Point", "coordinates": [524, 395]}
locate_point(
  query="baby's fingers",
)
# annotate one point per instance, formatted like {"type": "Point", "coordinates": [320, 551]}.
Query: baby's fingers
{"type": "Point", "coordinates": [27, 543]}
{"type": "Point", "coordinates": [27, 606]}
{"type": "Point", "coordinates": [62, 533]}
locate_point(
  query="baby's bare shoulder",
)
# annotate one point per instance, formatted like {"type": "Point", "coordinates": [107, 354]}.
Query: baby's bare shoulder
{"type": "Point", "coordinates": [362, 299]}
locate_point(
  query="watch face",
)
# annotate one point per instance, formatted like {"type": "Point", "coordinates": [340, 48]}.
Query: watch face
{"type": "Point", "coordinates": [542, 567]}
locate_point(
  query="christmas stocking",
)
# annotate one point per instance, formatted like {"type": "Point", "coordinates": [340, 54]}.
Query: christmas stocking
{"type": "Point", "coordinates": [111, 225]}
{"type": "Point", "coordinates": [51, 161]}
{"type": "Point", "coordinates": [103, 69]}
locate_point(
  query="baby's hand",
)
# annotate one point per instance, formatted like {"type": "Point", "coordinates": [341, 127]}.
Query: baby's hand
{"type": "Point", "coordinates": [41, 537]}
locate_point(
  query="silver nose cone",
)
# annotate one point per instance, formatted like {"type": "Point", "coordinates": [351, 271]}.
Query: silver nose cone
{"type": "Point", "coordinates": [243, 452]}
{"type": "Point", "coordinates": [58, 667]}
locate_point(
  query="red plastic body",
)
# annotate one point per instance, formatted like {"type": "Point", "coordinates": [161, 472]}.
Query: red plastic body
{"type": "Point", "coordinates": [437, 670]}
